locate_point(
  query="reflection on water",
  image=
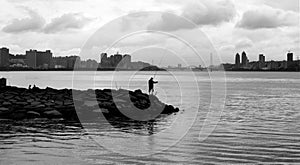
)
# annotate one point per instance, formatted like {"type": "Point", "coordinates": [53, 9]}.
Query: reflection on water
{"type": "Point", "coordinates": [260, 124]}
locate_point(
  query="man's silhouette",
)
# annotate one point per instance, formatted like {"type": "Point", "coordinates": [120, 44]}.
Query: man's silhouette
{"type": "Point", "coordinates": [151, 84]}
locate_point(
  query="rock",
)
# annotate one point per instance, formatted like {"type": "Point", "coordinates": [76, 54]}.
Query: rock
{"type": "Point", "coordinates": [33, 114]}
{"type": "Point", "coordinates": [49, 104]}
{"type": "Point", "coordinates": [19, 115]}
{"type": "Point", "coordinates": [97, 110]}
{"type": "Point", "coordinates": [40, 106]}
{"type": "Point", "coordinates": [21, 103]}
{"type": "Point", "coordinates": [12, 100]}
{"type": "Point", "coordinates": [57, 102]}
{"type": "Point", "coordinates": [6, 103]}
{"type": "Point", "coordinates": [9, 97]}
{"type": "Point", "coordinates": [116, 100]}
{"type": "Point", "coordinates": [3, 109]}
{"type": "Point", "coordinates": [53, 114]}
{"type": "Point", "coordinates": [18, 103]}
{"type": "Point", "coordinates": [138, 91]}
{"type": "Point", "coordinates": [36, 103]}
{"type": "Point", "coordinates": [18, 98]}
{"type": "Point", "coordinates": [107, 105]}
{"type": "Point", "coordinates": [69, 102]}
{"type": "Point", "coordinates": [30, 100]}
{"type": "Point", "coordinates": [4, 112]}
{"type": "Point", "coordinates": [169, 109]}
{"type": "Point", "coordinates": [42, 109]}
{"type": "Point", "coordinates": [91, 103]}
{"type": "Point", "coordinates": [103, 110]}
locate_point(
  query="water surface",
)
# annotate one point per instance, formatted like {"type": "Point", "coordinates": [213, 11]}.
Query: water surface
{"type": "Point", "coordinates": [260, 122]}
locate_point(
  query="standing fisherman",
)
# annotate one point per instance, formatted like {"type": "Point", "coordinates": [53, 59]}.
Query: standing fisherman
{"type": "Point", "coordinates": [151, 84]}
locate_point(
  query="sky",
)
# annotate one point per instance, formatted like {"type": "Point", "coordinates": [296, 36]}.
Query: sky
{"type": "Point", "coordinates": [167, 32]}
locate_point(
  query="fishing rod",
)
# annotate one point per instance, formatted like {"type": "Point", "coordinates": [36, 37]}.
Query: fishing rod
{"type": "Point", "coordinates": [159, 63]}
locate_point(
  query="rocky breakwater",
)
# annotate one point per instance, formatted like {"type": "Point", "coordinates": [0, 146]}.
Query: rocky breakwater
{"type": "Point", "coordinates": [72, 105]}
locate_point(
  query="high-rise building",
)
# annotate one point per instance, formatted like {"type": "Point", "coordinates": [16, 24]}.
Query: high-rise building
{"type": "Point", "coordinates": [261, 61]}
{"type": "Point", "coordinates": [290, 59]}
{"type": "Point", "coordinates": [39, 59]}
{"type": "Point", "coordinates": [237, 60]}
{"type": "Point", "coordinates": [245, 60]}
{"type": "Point", "coordinates": [4, 57]}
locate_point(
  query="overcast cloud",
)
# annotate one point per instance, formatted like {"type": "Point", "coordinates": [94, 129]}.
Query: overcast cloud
{"type": "Point", "coordinates": [34, 22]}
{"type": "Point", "coordinates": [268, 18]}
{"type": "Point", "coordinates": [67, 21]}
{"type": "Point", "coordinates": [210, 12]}
{"type": "Point", "coordinates": [257, 26]}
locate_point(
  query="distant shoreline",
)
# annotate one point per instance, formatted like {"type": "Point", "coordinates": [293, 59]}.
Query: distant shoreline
{"type": "Point", "coordinates": [161, 70]}
{"type": "Point", "coordinates": [79, 69]}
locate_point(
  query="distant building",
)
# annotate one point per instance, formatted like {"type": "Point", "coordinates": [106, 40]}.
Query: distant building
{"type": "Point", "coordinates": [31, 58]}
{"type": "Point", "coordinates": [261, 61]}
{"type": "Point", "coordinates": [290, 59]}
{"type": "Point", "coordinates": [4, 57]}
{"type": "Point", "coordinates": [275, 65]}
{"type": "Point", "coordinates": [90, 64]}
{"type": "Point", "coordinates": [73, 61]}
{"type": "Point", "coordinates": [105, 61]}
{"type": "Point", "coordinates": [38, 59]}
{"type": "Point", "coordinates": [179, 66]}
{"type": "Point", "coordinates": [18, 61]}
{"type": "Point", "coordinates": [237, 60]}
{"type": "Point", "coordinates": [125, 62]}
{"type": "Point", "coordinates": [67, 62]}
{"type": "Point", "coordinates": [245, 60]}
{"type": "Point", "coordinates": [116, 61]}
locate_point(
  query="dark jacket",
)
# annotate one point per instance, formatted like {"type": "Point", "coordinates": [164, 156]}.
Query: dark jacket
{"type": "Point", "coordinates": [150, 83]}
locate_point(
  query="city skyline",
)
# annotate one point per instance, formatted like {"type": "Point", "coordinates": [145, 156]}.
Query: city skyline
{"type": "Point", "coordinates": [36, 59]}
{"type": "Point", "coordinates": [268, 26]}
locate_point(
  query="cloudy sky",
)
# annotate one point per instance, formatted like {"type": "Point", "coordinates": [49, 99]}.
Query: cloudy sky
{"type": "Point", "coordinates": [230, 26]}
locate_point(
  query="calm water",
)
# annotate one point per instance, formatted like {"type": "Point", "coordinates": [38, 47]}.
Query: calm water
{"type": "Point", "coordinates": [259, 124]}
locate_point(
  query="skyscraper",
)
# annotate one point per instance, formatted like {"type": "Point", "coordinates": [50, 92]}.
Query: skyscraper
{"type": "Point", "coordinates": [237, 60]}
{"type": "Point", "coordinates": [245, 60]}
{"type": "Point", "coordinates": [4, 57]}
{"type": "Point", "coordinates": [262, 60]}
{"type": "Point", "coordinates": [290, 59]}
